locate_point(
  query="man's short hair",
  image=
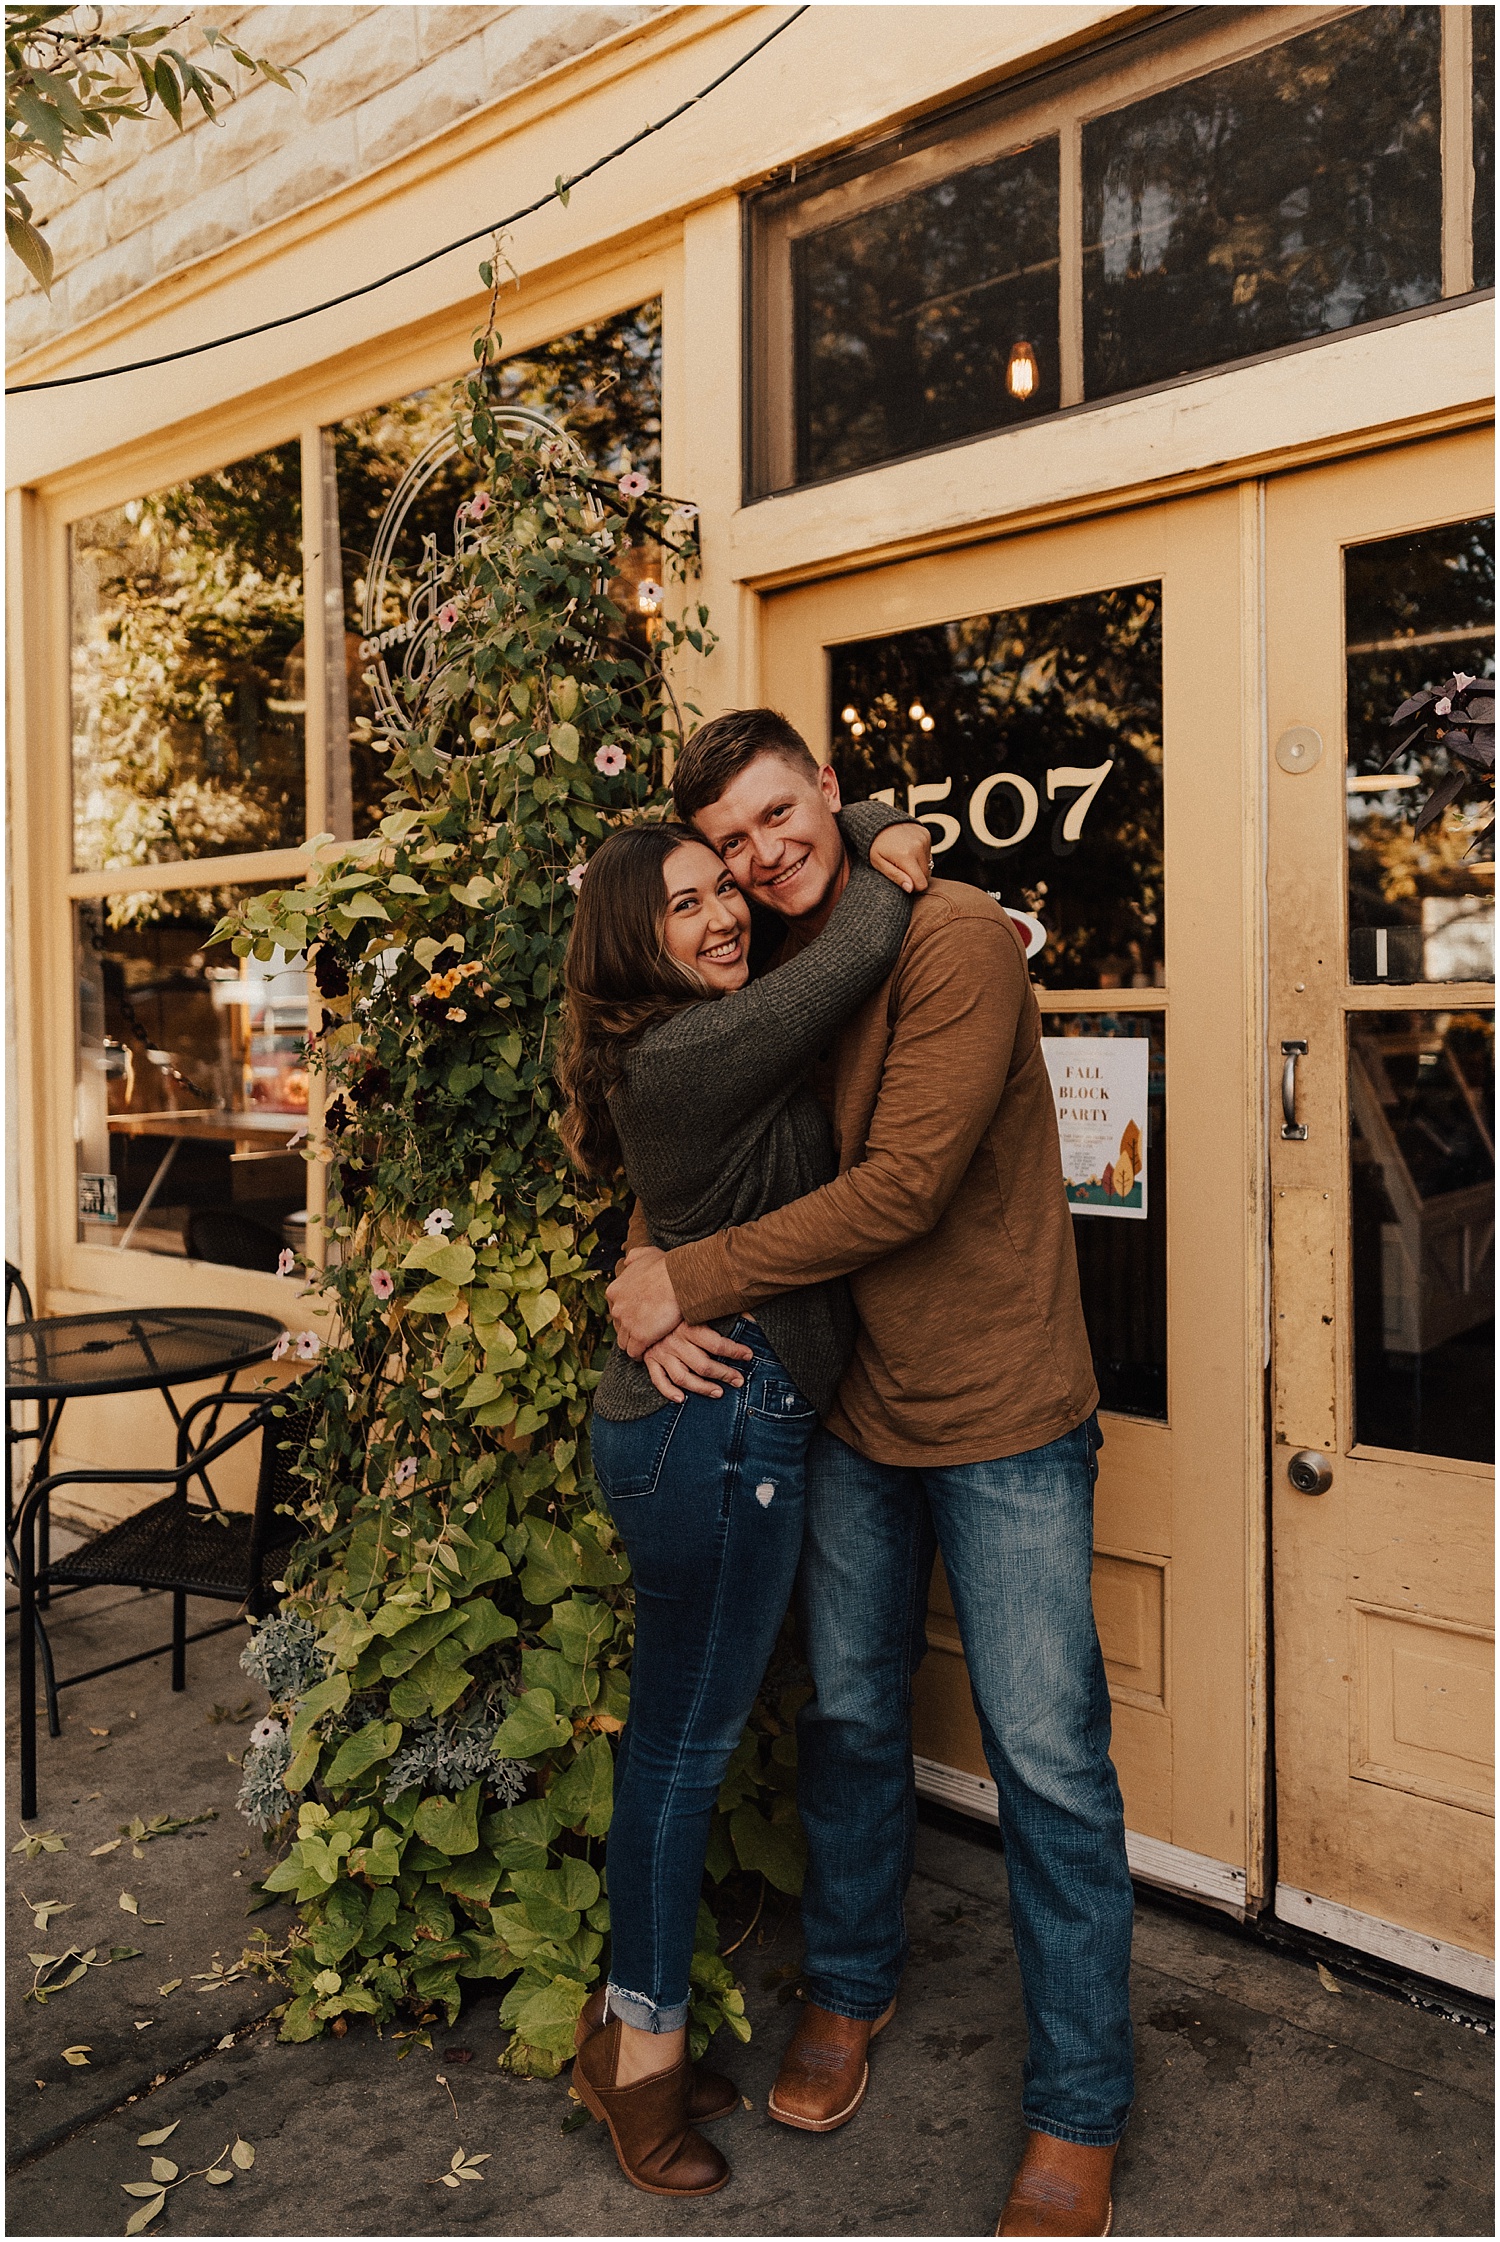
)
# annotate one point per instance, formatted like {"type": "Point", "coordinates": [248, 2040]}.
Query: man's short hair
{"type": "Point", "coordinates": [719, 750]}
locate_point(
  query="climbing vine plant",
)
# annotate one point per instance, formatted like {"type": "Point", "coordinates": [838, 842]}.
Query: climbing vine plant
{"type": "Point", "coordinates": [449, 1668]}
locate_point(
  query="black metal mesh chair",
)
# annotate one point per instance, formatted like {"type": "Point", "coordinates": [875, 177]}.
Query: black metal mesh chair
{"type": "Point", "coordinates": [176, 1546]}
{"type": "Point", "coordinates": [17, 1310]}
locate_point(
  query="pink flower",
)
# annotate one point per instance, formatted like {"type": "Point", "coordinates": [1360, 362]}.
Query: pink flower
{"type": "Point", "coordinates": [447, 616]}
{"type": "Point", "coordinates": [685, 512]}
{"type": "Point", "coordinates": [382, 1283]}
{"type": "Point", "coordinates": [266, 1732]}
{"type": "Point", "coordinates": [405, 1471]}
{"type": "Point", "coordinates": [1442, 707]}
{"type": "Point", "coordinates": [286, 1264]}
{"type": "Point", "coordinates": [1462, 681]}
{"type": "Point", "coordinates": [575, 877]}
{"type": "Point", "coordinates": [648, 595]}
{"type": "Point", "coordinates": [634, 485]}
{"type": "Point", "coordinates": [610, 760]}
{"type": "Point", "coordinates": [309, 1346]}
{"type": "Point", "coordinates": [479, 505]}
{"type": "Point", "coordinates": [437, 1222]}
{"type": "Point", "coordinates": [282, 1347]}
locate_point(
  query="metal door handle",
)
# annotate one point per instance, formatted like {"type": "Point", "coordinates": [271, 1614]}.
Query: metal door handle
{"type": "Point", "coordinates": [1291, 1127]}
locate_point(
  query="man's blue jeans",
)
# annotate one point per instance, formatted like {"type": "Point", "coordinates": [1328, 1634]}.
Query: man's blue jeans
{"type": "Point", "coordinates": [708, 1499]}
{"type": "Point", "coordinates": [1017, 1543]}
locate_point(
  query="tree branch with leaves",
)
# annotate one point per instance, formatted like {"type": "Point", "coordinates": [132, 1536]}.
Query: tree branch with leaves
{"type": "Point", "coordinates": [69, 81]}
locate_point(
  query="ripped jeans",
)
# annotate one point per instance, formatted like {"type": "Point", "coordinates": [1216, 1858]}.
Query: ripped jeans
{"type": "Point", "coordinates": [707, 1497]}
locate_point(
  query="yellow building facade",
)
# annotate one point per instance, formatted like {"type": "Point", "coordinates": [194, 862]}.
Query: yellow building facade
{"type": "Point", "coordinates": [1088, 411]}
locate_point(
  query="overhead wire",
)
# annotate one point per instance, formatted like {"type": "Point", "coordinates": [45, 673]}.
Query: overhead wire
{"type": "Point", "coordinates": [558, 193]}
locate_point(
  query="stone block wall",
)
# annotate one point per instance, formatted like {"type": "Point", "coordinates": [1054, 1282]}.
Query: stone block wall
{"type": "Point", "coordinates": [375, 82]}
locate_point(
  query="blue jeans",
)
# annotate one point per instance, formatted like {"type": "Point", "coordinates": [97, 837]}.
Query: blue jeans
{"type": "Point", "coordinates": [1017, 1543]}
{"type": "Point", "coordinates": [708, 1498]}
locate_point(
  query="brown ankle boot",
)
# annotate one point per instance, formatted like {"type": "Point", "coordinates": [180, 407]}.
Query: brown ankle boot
{"type": "Point", "coordinates": [647, 2122]}
{"type": "Point", "coordinates": [1060, 2188]}
{"type": "Point", "coordinates": [710, 2095]}
{"type": "Point", "coordinates": [824, 2073]}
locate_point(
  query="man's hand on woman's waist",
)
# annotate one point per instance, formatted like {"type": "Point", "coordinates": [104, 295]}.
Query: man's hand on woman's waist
{"type": "Point", "coordinates": [641, 1301]}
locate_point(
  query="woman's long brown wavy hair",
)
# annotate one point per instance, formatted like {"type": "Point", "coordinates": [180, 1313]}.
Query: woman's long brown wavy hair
{"type": "Point", "coordinates": [619, 978]}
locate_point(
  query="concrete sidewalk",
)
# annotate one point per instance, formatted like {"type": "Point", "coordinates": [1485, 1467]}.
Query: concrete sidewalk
{"type": "Point", "coordinates": [1268, 2105]}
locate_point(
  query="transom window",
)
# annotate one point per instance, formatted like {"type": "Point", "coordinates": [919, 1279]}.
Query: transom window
{"type": "Point", "coordinates": [1190, 195]}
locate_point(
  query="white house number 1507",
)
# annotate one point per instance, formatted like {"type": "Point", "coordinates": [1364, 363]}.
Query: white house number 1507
{"type": "Point", "coordinates": [1067, 778]}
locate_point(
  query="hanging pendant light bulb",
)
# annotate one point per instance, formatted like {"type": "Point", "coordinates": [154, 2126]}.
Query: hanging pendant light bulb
{"type": "Point", "coordinates": [1021, 372]}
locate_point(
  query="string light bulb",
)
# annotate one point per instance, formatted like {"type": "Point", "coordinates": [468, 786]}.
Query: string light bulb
{"type": "Point", "coordinates": [926, 723]}
{"type": "Point", "coordinates": [850, 715]}
{"type": "Point", "coordinates": [1021, 372]}
{"type": "Point", "coordinates": [916, 712]}
{"type": "Point", "coordinates": [857, 729]}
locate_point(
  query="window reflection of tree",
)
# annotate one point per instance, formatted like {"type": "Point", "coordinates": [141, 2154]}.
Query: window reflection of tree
{"type": "Point", "coordinates": [906, 314]}
{"type": "Point", "coordinates": [1288, 195]}
{"type": "Point", "coordinates": [602, 382]}
{"type": "Point", "coordinates": [1416, 609]}
{"type": "Point", "coordinates": [1075, 683]}
{"type": "Point", "coordinates": [188, 669]}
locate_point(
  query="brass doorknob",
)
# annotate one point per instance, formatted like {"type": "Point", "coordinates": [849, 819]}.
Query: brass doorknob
{"type": "Point", "coordinates": [1310, 1472]}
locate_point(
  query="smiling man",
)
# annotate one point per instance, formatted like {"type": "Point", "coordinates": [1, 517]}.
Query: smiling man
{"type": "Point", "coordinates": [965, 1422]}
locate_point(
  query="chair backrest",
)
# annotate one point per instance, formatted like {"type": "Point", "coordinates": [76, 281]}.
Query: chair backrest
{"type": "Point", "coordinates": [282, 1442]}
{"type": "Point", "coordinates": [17, 1295]}
{"type": "Point", "coordinates": [234, 1240]}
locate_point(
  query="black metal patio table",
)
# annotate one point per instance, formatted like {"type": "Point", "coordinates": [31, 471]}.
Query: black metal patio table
{"type": "Point", "coordinates": [57, 1359]}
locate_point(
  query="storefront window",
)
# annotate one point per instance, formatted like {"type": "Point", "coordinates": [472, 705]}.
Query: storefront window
{"type": "Point", "coordinates": [1031, 742]}
{"type": "Point", "coordinates": [1483, 20]}
{"type": "Point", "coordinates": [1114, 1144]}
{"type": "Point", "coordinates": [1422, 1127]}
{"type": "Point", "coordinates": [928, 318]}
{"type": "Point", "coordinates": [1288, 195]}
{"type": "Point", "coordinates": [192, 1084]}
{"type": "Point", "coordinates": [189, 670]}
{"type": "Point", "coordinates": [1416, 608]}
{"type": "Point", "coordinates": [601, 383]}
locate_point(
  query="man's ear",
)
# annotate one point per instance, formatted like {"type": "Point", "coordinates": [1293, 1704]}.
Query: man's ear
{"type": "Point", "coordinates": [828, 787]}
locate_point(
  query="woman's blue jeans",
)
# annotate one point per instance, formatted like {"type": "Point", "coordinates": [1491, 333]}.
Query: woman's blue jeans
{"type": "Point", "coordinates": [707, 1497]}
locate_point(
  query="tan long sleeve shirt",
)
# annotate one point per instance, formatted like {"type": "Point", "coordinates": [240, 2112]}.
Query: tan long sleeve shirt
{"type": "Point", "coordinates": [948, 1213]}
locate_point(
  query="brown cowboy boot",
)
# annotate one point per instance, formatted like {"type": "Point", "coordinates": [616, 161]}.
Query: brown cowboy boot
{"type": "Point", "coordinates": [710, 2095]}
{"type": "Point", "coordinates": [657, 2149]}
{"type": "Point", "coordinates": [824, 2073]}
{"type": "Point", "coordinates": [1059, 2188]}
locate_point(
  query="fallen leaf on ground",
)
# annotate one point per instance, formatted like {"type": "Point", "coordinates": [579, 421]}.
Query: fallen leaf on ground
{"type": "Point", "coordinates": [243, 2154]}
{"type": "Point", "coordinates": [147, 2212]}
{"type": "Point", "coordinates": [109, 1846]}
{"type": "Point", "coordinates": [162, 2168]}
{"type": "Point", "coordinates": [154, 2140]}
{"type": "Point", "coordinates": [39, 1841]}
{"type": "Point", "coordinates": [98, 1731]}
{"type": "Point", "coordinates": [41, 1909]}
{"type": "Point", "coordinates": [170, 1986]}
{"type": "Point", "coordinates": [77, 2056]}
{"type": "Point", "coordinates": [218, 2176]}
{"type": "Point", "coordinates": [146, 2024]}
{"type": "Point", "coordinates": [139, 2187]}
{"type": "Point", "coordinates": [226, 2041]}
{"type": "Point", "coordinates": [132, 1906]}
{"type": "Point", "coordinates": [1328, 1981]}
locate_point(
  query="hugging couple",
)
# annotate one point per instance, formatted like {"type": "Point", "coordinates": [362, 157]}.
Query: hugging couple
{"type": "Point", "coordinates": [849, 1336]}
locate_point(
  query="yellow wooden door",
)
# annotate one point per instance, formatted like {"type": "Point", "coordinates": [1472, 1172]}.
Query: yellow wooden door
{"type": "Point", "coordinates": [1076, 713]}
{"type": "Point", "coordinates": [1381, 1021]}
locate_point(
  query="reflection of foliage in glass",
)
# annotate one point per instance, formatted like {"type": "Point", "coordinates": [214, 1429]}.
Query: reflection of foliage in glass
{"type": "Point", "coordinates": [1075, 683]}
{"type": "Point", "coordinates": [1287, 195]}
{"type": "Point", "coordinates": [602, 382]}
{"type": "Point", "coordinates": [1483, 20]}
{"type": "Point", "coordinates": [906, 314]}
{"type": "Point", "coordinates": [1416, 608]}
{"type": "Point", "coordinates": [188, 670]}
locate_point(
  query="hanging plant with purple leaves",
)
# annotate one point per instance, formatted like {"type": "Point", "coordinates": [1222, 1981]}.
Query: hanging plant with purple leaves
{"type": "Point", "coordinates": [1459, 717]}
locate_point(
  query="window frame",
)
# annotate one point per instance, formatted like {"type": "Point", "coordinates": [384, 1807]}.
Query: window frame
{"type": "Point", "coordinates": [1056, 99]}
{"type": "Point", "coordinates": [45, 885]}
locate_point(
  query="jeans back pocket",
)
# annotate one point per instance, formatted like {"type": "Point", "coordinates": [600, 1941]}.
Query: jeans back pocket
{"type": "Point", "coordinates": [628, 1458]}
